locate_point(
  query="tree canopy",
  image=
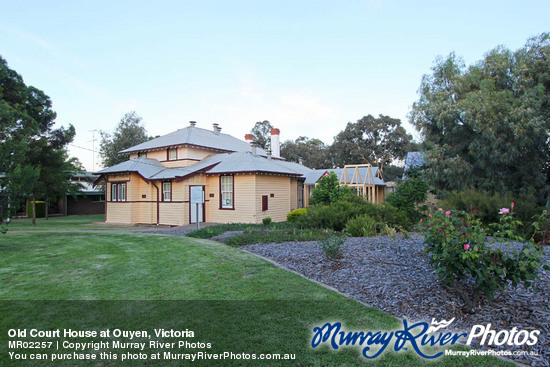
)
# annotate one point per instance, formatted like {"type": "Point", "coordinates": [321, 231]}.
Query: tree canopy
{"type": "Point", "coordinates": [262, 134]}
{"type": "Point", "coordinates": [487, 126]}
{"type": "Point", "coordinates": [129, 132]}
{"type": "Point", "coordinates": [32, 153]}
{"type": "Point", "coordinates": [371, 140]}
{"type": "Point", "coordinates": [311, 153]}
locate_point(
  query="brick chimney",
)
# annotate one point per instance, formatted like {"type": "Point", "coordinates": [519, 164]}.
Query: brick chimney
{"type": "Point", "coordinates": [275, 143]}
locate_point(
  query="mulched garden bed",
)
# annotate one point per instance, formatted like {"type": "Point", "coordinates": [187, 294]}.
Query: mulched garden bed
{"type": "Point", "coordinates": [394, 275]}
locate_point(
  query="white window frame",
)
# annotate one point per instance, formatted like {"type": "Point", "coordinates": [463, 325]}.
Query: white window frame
{"type": "Point", "coordinates": [227, 192]}
{"type": "Point", "coordinates": [122, 192]}
{"type": "Point", "coordinates": [118, 192]}
{"type": "Point", "coordinates": [167, 191]}
{"type": "Point", "coordinates": [114, 192]}
{"type": "Point", "coordinates": [175, 154]}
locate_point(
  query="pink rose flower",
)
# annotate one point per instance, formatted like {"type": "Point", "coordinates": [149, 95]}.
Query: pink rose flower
{"type": "Point", "coordinates": [430, 215]}
{"type": "Point", "coordinates": [420, 220]}
{"type": "Point", "coordinates": [448, 212]}
{"type": "Point", "coordinates": [466, 247]}
{"type": "Point", "coordinates": [504, 211]}
{"type": "Point", "coordinates": [440, 209]}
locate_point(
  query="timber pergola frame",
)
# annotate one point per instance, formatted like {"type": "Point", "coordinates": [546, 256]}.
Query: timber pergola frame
{"type": "Point", "coordinates": [366, 187]}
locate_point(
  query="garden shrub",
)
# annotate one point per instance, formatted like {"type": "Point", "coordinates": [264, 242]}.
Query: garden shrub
{"type": "Point", "coordinates": [462, 258]}
{"type": "Point", "coordinates": [328, 191]}
{"type": "Point", "coordinates": [266, 221]}
{"type": "Point", "coordinates": [295, 214]}
{"type": "Point", "coordinates": [40, 209]}
{"type": "Point", "coordinates": [336, 216]}
{"type": "Point", "coordinates": [332, 246]}
{"type": "Point", "coordinates": [362, 226]}
{"type": "Point", "coordinates": [485, 206]}
{"type": "Point", "coordinates": [394, 217]}
{"type": "Point", "coordinates": [409, 196]}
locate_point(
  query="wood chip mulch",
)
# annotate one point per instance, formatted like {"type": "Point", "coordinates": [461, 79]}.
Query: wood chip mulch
{"type": "Point", "coordinates": [394, 275]}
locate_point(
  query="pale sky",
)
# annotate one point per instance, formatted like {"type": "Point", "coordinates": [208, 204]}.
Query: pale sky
{"type": "Point", "coordinates": [309, 67]}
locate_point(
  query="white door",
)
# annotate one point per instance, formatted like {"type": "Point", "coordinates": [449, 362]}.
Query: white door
{"type": "Point", "coordinates": [194, 192]}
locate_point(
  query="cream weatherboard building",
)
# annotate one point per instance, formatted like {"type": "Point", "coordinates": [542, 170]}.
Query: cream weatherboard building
{"type": "Point", "coordinates": [239, 182]}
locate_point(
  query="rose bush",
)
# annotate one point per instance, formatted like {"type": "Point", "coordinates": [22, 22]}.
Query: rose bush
{"type": "Point", "coordinates": [466, 259]}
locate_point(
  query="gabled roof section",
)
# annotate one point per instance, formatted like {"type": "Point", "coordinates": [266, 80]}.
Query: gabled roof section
{"type": "Point", "coordinates": [143, 166]}
{"type": "Point", "coordinates": [314, 176]}
{"type": "Point", "coordinates": [246, 163]}
{"type": "Point", "coordinates": [241, 162]}
{"type": "Point", "coordinates": [195, 137]}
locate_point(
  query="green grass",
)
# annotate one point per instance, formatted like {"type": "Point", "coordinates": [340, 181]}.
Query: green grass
{"type": "Point", "coordinates": [77, 222]}
{"type": "Point", "coordinates": [230, 298]}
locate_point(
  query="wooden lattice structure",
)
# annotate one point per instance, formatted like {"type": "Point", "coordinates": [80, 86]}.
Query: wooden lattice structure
{"type": "Point", "coordinates": [368, 185]}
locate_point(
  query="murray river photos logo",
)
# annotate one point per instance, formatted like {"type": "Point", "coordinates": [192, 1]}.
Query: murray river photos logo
{"type": "Point", "coordinates": [418, 335]}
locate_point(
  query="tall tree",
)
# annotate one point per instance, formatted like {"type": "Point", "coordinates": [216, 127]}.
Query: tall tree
{"type": "Point", "coordinates": [262, 134]}
{"type": "Point", "coordinates": [129, 132]}
{"type": "Point", "coordinates": [311, 153]}
{"type": "Point", "coordinates": [27, 134]}
{"type": "Point", "coordinates": [371, 140]}
{"type": "Point", "coordinates": [487, 126]}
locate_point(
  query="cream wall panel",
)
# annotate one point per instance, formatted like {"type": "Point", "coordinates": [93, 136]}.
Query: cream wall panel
{"type": "Point", "coordinates": [119, 212]}
{"type": "Point", "coordinates": [173, 213]}
{"type": "Point", "coordinates": [244, 212]}
{"type": "Point", "coordinates": [279, 205]}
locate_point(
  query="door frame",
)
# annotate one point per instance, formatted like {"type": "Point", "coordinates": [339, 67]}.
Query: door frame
{"type": "Point", "coordinates": [203, 204]}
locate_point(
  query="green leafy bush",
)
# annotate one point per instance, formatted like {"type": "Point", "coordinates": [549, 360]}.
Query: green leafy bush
{"type": "Point", "coordinates": [462, 258]}
{"type": "Point", "coordinates": [485, 206]}
{"type": "Point", "coordinates": [332, 246]}
{"type": "Point", "coordinates": [394, 217]}
{"type": "Point", "coordinates": [40, 209]}
{"type": "Point", "coordinates": [336, 216]}
{"type": "Point", "coordinates": [362, 226]}
{"type": "Point", "coordinates": [295, 214]}
{"type": "Point", "coordinates": [266, 221]}
{"type": "Point", "coordinates": [409, 196]}
{"type": "Point", "coordinates": [328, 190]}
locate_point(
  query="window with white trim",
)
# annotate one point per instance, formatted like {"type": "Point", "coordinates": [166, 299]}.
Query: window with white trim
{"type": "Point", "coordinates": [114, 192]}
{"type": "Point", "coordinates": [226, 192]}
{"type": "Point", "coordinates": [172, 154]}
{"type": "Point", "coordinates": [167, 191]}
{"type": "Point", "coordinates": [118, 192]}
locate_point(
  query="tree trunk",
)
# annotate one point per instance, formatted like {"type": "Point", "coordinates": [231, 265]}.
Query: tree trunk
{"type": "Point", "coordinates": [47, 207]}
{"type": "Point", "coordinates": [33, 211]}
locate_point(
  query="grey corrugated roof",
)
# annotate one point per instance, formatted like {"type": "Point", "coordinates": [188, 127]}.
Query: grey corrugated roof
{"type": "Point", "coordinates": [144, 166]}
{"type": "Point", "coordinates": [299, 168]}
{"type": "Point", "coordinates": [414, 159]}
{"type": "Point", "coordinates": [219, 163]}
{"type": "Point", "coordinates": [197, 137]}
{"type": "Point", "coordinates": [247, 162]}
{"type": "Point", "coordinates": [314, 176]}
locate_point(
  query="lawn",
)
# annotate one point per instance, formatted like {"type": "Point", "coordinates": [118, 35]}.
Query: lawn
{"type": "Point", "coordinates": [76, 222]}
{"type": "Point", "coordinates": [230, 298]}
